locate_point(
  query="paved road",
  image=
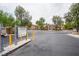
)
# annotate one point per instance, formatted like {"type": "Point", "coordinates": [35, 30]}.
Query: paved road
{"type": "Point", "coordinates": [50, 43]}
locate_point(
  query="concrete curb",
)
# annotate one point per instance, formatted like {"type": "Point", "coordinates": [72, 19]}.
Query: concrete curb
{"type": "Point", "coordinates": [9, 50]}
{"type": "Point", "coordinates": [75, 36]}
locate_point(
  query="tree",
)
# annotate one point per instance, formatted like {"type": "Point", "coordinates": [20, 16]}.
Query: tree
{"type": "Point", "coordinates": [57, 22]}
{"type": "Point", "coordinates": [17, 22]}
{"type": "Point", "coordinates": [23, 15]}
{"type": "Point", "coordinates": [69, 22]}
{"type": "Point", "coordinates": [40, 23]}
{"type": "Point", "coordinates": [19, 12]}
{"type": "Point", "coordinates": [27, 19]}
{"type": "Point", "coordinates": [68, 17]}
{"type": "Point", "coordinates": [74, 9]}
{"type": "Point", "coordinates": [10, 20]}
{"type": "Point", "coordinates": [29, 25]}
{"type": "Point", "coordinates": [6, 19]}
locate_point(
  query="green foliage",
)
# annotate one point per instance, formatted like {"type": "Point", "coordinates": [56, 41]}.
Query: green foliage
{"type": "Point", "coordinates": [72, 17]}
{"type": "Point", "coordinates": [57, 21]}
{"type": "Point", "coordinates": [74, 9]}
{"type": "Point", "coordinates": [19, 12]}
{"type": "Point", "coordinates": [17, 22]}
{"type": "Point", "coordinates": [68, 17]}
{"type": "Point", "coordinates": [68, 21]}
{"type": "Point", "coordinates": [29, 24]}
{"type": "Point", "coordinates": [40, 23]}
{"type": "Point", "coordinates": [6, 19]}
{"type": "Point", "coordinates": [22, 18]}
{"type": "Point", "coordinates": [23, 15]}
{"type": "Point", "coordinates": [68, 26]}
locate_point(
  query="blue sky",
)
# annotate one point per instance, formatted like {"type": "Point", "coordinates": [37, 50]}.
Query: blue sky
{"type": "Point", "coordinates": [37, 10]}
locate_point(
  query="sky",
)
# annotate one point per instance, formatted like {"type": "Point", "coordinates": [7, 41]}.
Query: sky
{"type": "Point", "coordinates": [37, 10]}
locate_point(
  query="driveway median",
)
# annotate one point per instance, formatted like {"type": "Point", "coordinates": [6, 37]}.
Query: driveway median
{"type": "Point", "coordinates": [9, 49]}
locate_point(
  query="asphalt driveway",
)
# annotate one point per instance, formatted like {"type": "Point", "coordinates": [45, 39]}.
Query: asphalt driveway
{"type": "Point", "coordinates": [50, 43]}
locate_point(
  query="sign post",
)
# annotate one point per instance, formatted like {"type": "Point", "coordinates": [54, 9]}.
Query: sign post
{"type": "Point", "coordinates": [2, 42]}
{"type": "Point", "coordinates": [1, 39]}
{"type": "Point", "coordinates": [16, 34]}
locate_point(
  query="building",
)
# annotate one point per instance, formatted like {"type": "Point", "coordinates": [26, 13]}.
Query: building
{"type": "Point", "coordinates": [34, 27]}
{"type": "Point", "coordinates": [49, 26]}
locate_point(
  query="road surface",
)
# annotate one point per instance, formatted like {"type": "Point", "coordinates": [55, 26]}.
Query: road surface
{"type": "Point", "coordinates": [50, 43]}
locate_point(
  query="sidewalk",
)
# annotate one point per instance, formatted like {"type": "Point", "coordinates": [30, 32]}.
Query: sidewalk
{"type": "Point", "coordinates": [73, 35]}
{"type": "Point", "coordinates": [13, 47]}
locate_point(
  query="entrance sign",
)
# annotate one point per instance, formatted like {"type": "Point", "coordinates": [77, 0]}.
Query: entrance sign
{"type": "Point", "coordinates": [22, 31]}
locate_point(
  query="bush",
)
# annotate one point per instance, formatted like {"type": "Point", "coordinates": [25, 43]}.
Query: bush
{"type": "Point", "coordinates": [68, 26]}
